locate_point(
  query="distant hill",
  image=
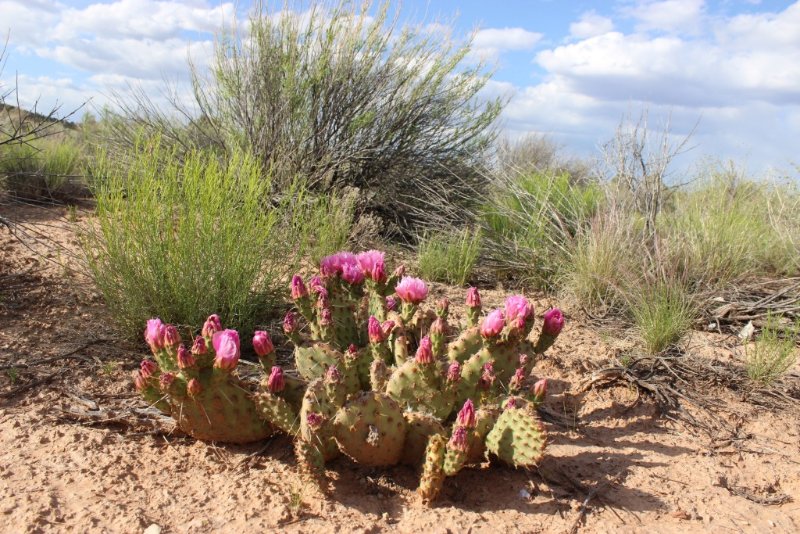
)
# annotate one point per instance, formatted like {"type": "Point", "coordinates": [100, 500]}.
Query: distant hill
{"type": "Point", "coordinates": [35, 116]}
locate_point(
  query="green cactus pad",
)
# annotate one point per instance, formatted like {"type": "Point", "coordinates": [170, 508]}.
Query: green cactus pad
{"type": "Point", "coordinates": [465, 345]}
{"type": "Point", "coordinates": [430, 484]}
{"type": "Point", "coordinates": [277, 412]}
{"type": "Point", "coordinates": [419, 387]}
{"type": "Point", "coordinates": [317, 399]}
{"type": "Point", "coordinates": [485, 419]}
{"type": "Point", "coordinates": [421, 427]}
{"type": "Point", "coordinates": [313, 360]}
{"type": "Point", "coordinates": [311, 462]}
{"type": "Point", "coordinates": [518, 437]}
{"type": "Point", "coordinates": [224, 411]}
{"type": "Point", "coordinates": [371, 429]}
{"type": "Point", "coordinates": [454, 460]}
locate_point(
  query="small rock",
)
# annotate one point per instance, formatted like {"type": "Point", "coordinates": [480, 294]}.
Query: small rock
{"type": "Point", "coordinates": [152, 529]}
{"type": "Point", "coordinates": [524, 494]}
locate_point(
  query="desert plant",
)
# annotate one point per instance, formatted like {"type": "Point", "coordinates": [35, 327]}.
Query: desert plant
{"type": "Point", "coordinates": [663, 312]}
{"type": "Point", "coordinates": [378, 380]}
{"type": "Point", "coordinates": [172, 238]}
{"type": "Point", "coordinates": [449, 257]}
{"type": "Point", "coordinates": [772, 353]}
{"type": "Point", "coordinates": [342, 94]}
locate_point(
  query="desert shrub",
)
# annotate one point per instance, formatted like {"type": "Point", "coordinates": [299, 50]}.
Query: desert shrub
{"type": "Point", "coordinates": [320, 224]}
{"type": "Point", "coordinates": [449, 257]}
{"type": "Point", "coordinates": [728, 227]}
{"type": "Point", "coordinates": [662, 311]}
{"type": "Point", "coordinates": [182, 239]}
{"type": "Point", "coordinates": [533, 220]}
{"type": "Point", "coordinates": [346, 96]}
{"type": "Point", "coordinates": [46, 167]}
{"type": "Point", "coordinates": [772, 353]}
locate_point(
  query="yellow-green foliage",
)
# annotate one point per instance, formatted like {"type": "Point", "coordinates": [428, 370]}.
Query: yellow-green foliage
{"type": "Point", "coordinates": [772, 354]}
{"type": "Point", "coordinates": [449, 257]}
{"type": "Point", "coordinates": [662, 312]}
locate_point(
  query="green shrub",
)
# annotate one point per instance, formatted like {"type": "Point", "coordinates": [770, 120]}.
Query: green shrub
{"type": "Point", "coordinates": [48, 167]}
{"type": "Point", "coordinates": [449, 257]}
{"type": "Point", "coordinates": [183, 239]}
{"type": "Point", "coordinates": [533, 219]}
{"type": "Point", "coordinates": [772, 353]}
{"type": "Point", "coordinates": [663, 313]}
{"type": "Point", "coordinates": [321, 224]}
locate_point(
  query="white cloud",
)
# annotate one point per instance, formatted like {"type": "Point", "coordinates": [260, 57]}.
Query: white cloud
{"type": "Point", "coordinates": [589, 25]}
{"type": "Point", "coordinates": [674, 16]}
{"type": "Point", "coordinates": [489, 43]}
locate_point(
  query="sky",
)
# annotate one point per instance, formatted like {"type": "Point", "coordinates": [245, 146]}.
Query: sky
{"type": "Point", "coordinates": [727, 72]}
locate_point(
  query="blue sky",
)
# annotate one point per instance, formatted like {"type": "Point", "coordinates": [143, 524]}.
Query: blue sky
{"type": "Point", "coordinates": [572, 70]}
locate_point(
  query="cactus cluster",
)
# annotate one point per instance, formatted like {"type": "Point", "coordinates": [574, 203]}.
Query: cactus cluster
{"type": "Point", "coordinates": [379, 378]}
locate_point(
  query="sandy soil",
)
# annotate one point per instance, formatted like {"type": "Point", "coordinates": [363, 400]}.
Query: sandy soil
{"type": "Point", "coordinates": [78, 455]}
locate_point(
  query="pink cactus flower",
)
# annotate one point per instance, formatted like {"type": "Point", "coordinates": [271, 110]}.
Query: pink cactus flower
{"type": "Point", "coordinates": [518, 306]}
{"type": "Point", "coordinates": [540, 389]}
{"type": "Point", "coordinates": [199, 346]}
{"type": "Point", "coordinates": [466, 416]}
{"type": "Point", "coordinates": [424, 351]}
{"type": "Point", "coordinates": [193, 387]}
{"type": "Point", "coordinates": [332, 375]}
{"type": "Point", "coordinates": [166, 380]}
{"type": "Point", "coordinates": [262, 343]}
{"type": "Point", "coordinates": [372, 263]}
{"type": "Point", "coordinates": [298, 287]}
{"type": "Point", "coordinates": [352, 274]}
{"type": "Point", "coordinates": [454, 372]}
{"type": "Point", "coordinates": [458, 441]}
{"type": "Point", "coordinates": [473, 297]}
{"type": "Point", "coordinates": [511, 403]}
{"type": "Point", "coordinates": [185, 357]}
{"type": "Point", "coordinates": [411, 290]}
{"type": "Point", "coordinates": [139, 381]}
{"type": "Point", "coordinates": [290, 322]}
{"type": "Point", "coordinates": [147, 368]}
{"type": "Point", "coordinates": [334, 264]}
{"type": "Point", "coordinates": [493, 324]}
{"type": "Point", "coordinates": [553, 322]}
{"type": "Point", "coordinates": [391, 303]}
{"type": "Point", "coordinates": [211, 326]}
{"type": "Point", "coordinates": [226, 345]}
{"type": "Point", "coordinates": [154, 334]}
{"type": "Point", "coordinates": [276, 381]}
{"type": "Point", "coordinates": [314, 420]}
{"type": "Point", "coordinates": [374, 330]}
{"type": "Point", "coordinates": [322, 299]}
{"type": "Point", "coordinates": [487, 377]}
{"type": "Point", "coordinates": [171, 336]}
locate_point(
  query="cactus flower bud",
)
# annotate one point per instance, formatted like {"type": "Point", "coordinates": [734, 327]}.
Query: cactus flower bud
{"type": "Point", "coordinates": [154, 334]}
{"type": "Point", "coordinates": [315, 285]}
{"type": "Point", "coordinates": [351, 353]}
{"type": "Point", "coordinates": [458, 441]}
{"type": "Point", "coordinates": [372, 263]}
{"type": "Point", "coordinates": [387, 328]}
{"type": "Point", "coordinates": [374, 330]}
{"type": "Point", "coordinates": [147, 368]}
{"type": "Point", "coordinates": [473, 297]}
{"type": "Point", "coordinates": [298, 288]}
{"type": "Point", "coordinates": [454, 372]}
{"type": "Point", "coordinates": [391, 303]}
{"type": "Point", "coordinates": [511, 403]}
{"type": "Point", "coordinates": [325, 317]}
{"type": "Point", "coordinates": [540, 390]}
{"type": "Point", "coordinates": [493, 324]}
{"type": "Point", "coordinates": [314, 420]}
{"type": "Point", "coordinates": [211, 326]}
{"type": "Point", "coordinates": [193, 387]}
{"type": "Point", "coordinates": [166, 380]}
{"type": "Point", "coordinates": [518, 307]}
{"type": "Point", "coordinates": [199, 346]}
{"type": "Point", "coordinates": [276, 382]}
{"type": "Point", "coordinates": [332, 375]}
{"type": "Point", "coordinates": [488, 376]}
{"type": "Point", "coordinates": [139, 381]}
{"type": "Point", "coordinates": [262, 343]}
{"type": "Point", "coordinates": [553, 322]}
{"type": "Point", "coordinates": [171, 336]}
{"type": "Point", "coordinates": [185, 357]}
{"type": "Point", "coordinates": [466, 416]}
{"type": "Point", "coordinates": [524, 359]}
{"type": "Point", "coordinates": [412, 290]}
{"type": "Point", "coordinates": [226, 345]}
{"type": "Point", "coordinates": [443, 307]}
{"type": "Point", "coordinates": [290, 322]}
{"type": "Point", "coordinates": [438, 327]}
{"type": "Point", "coordinates": [424, 351]}
{"type": "Point", "coordinates": [516, 382]}
{"type": "Point", "coordinates": [352, 274]}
